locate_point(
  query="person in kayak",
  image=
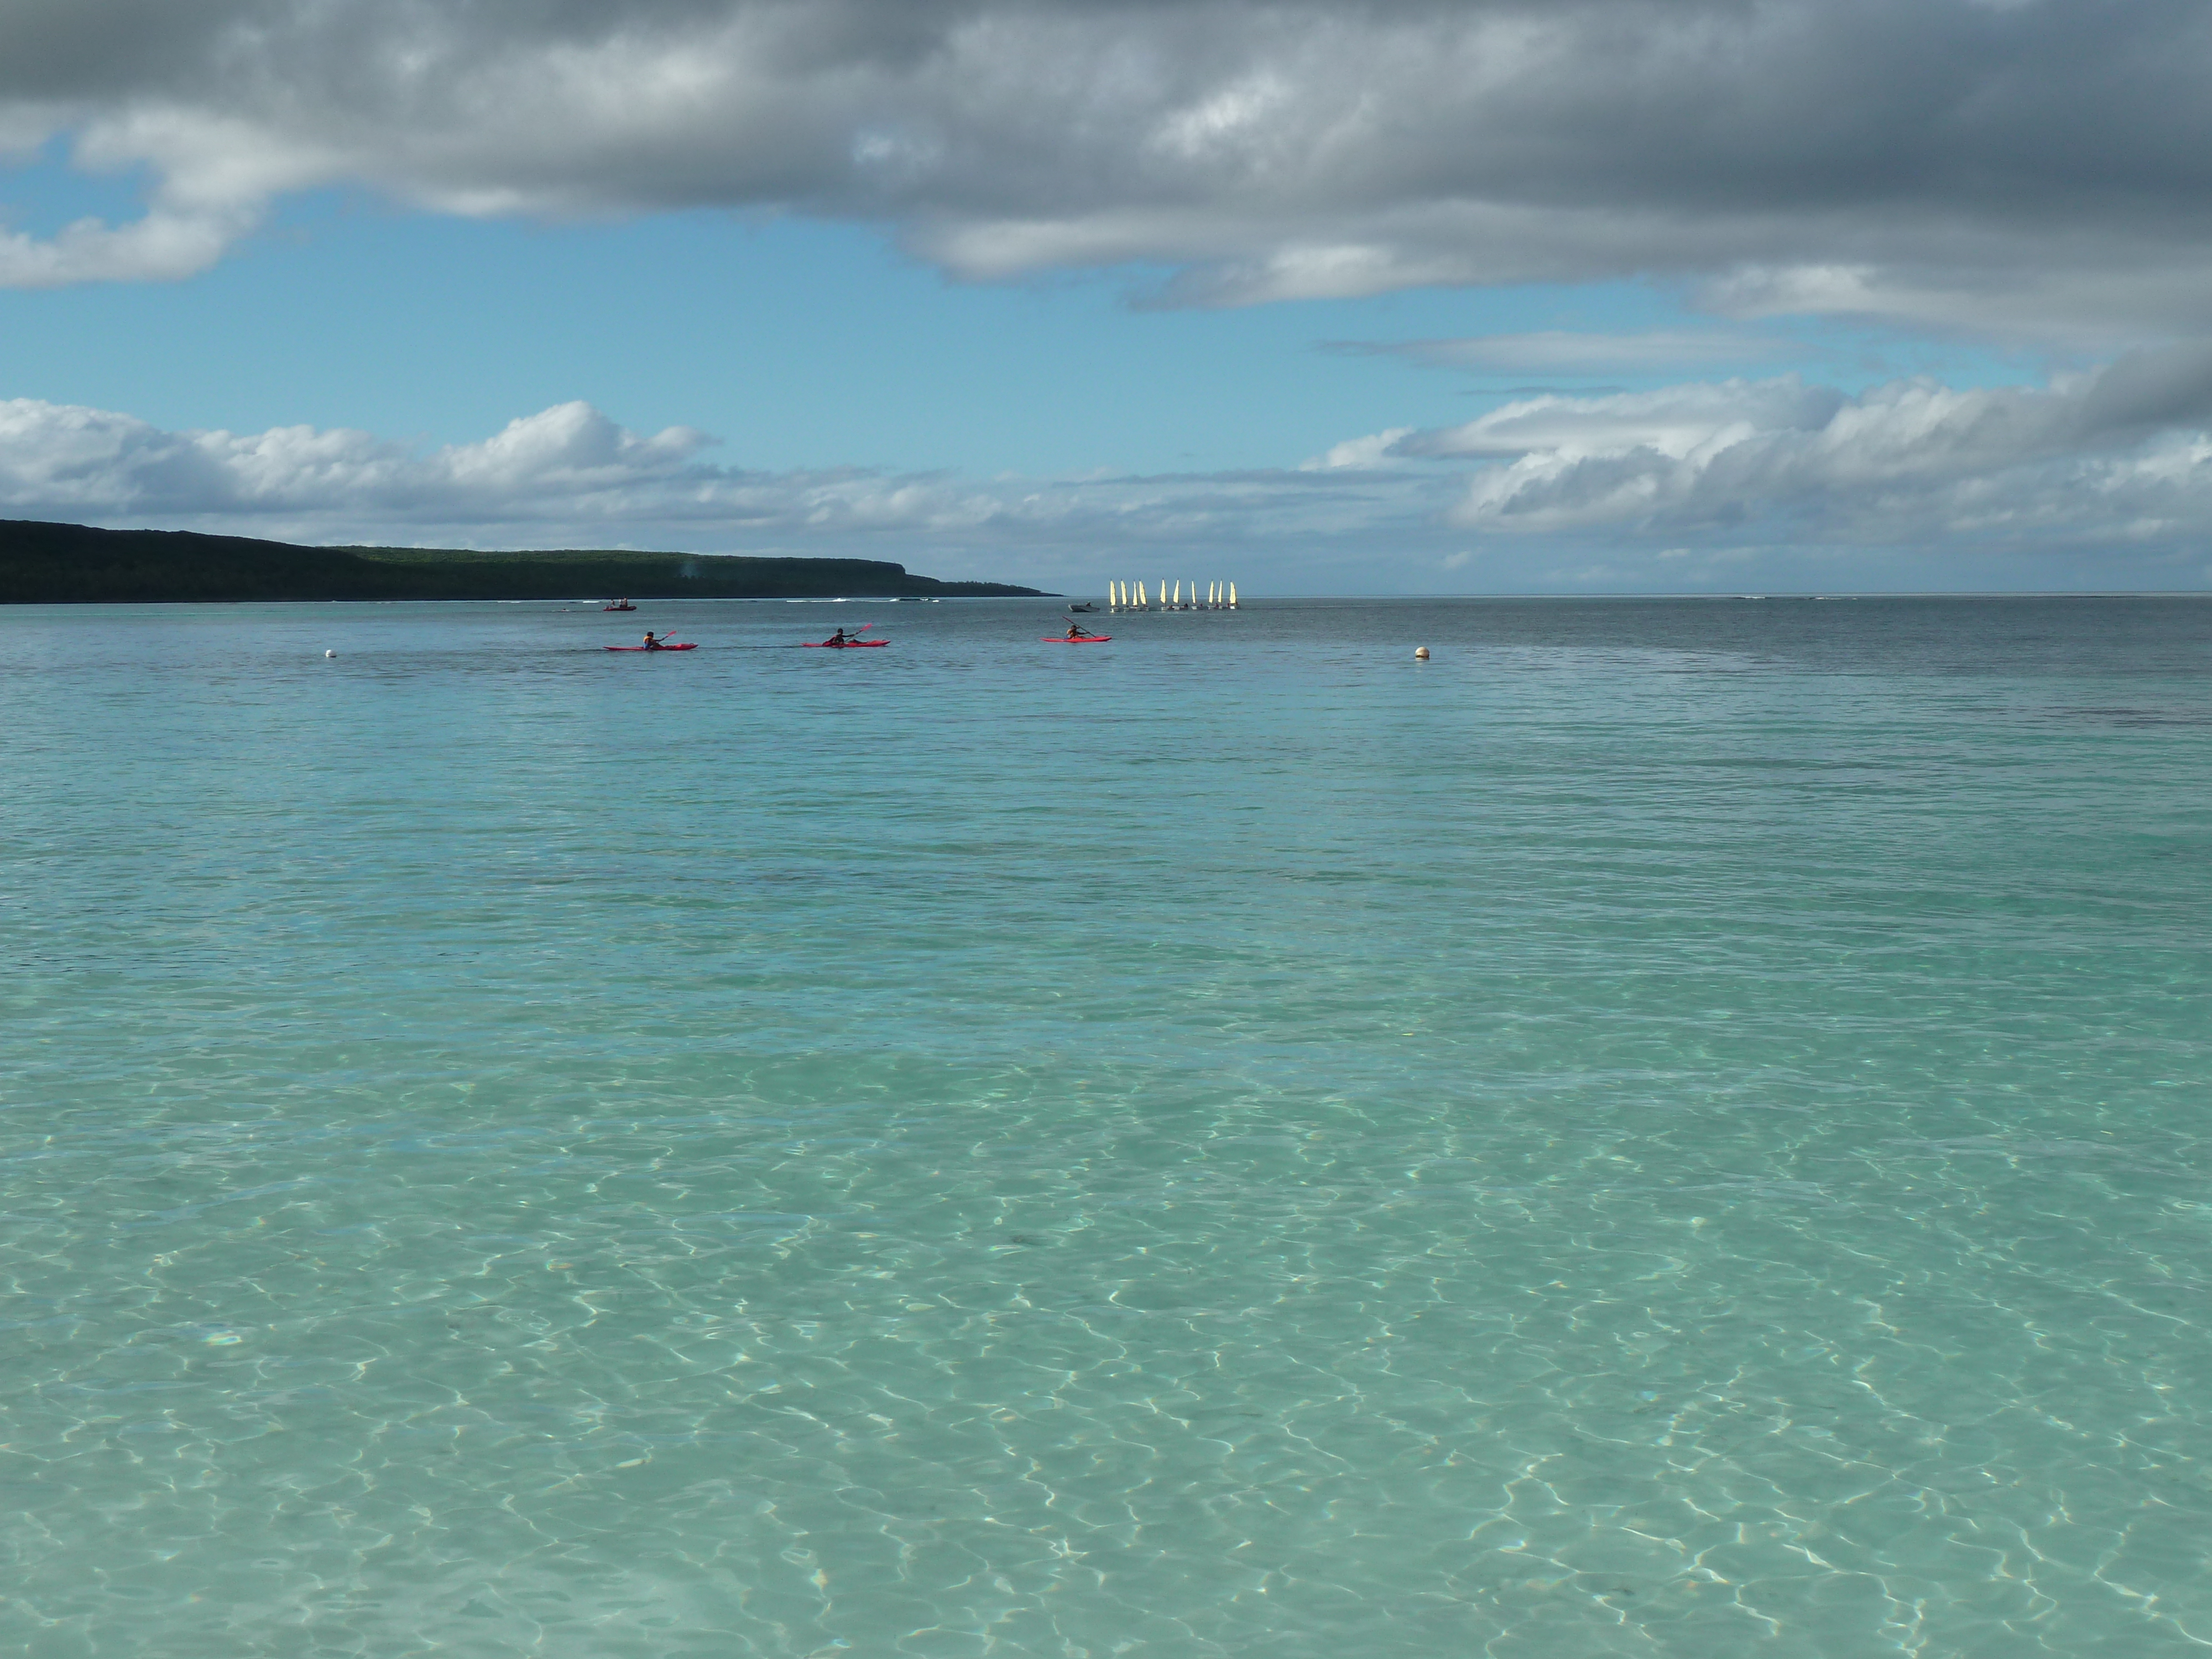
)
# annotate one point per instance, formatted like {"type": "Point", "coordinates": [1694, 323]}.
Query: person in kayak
{"type": "Point", "coordinates": [652, 644]}
{"type": "Point", "coordinates": [1075, 631]}
{"type": "Point", "coordinates": [840, 637]}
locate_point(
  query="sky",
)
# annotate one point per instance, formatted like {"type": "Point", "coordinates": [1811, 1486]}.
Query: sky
{"type": "Point", "coordinates": [1393, 297]}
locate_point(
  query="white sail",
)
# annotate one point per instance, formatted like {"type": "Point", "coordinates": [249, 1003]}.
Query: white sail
{"type": "Point", "coordinates": [1140, 596]}
{"type": "Point", "coordinates": [1232, 596]}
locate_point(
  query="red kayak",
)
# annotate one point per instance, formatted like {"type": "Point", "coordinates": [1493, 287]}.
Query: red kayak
{"type": "Point", "coordinates": [1062, 639]}
{"type": "Point", "coordinates": [841, 645]}
{"type": "Point", "coordinates": [648, 647]}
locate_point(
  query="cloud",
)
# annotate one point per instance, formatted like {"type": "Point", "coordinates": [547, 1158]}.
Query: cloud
{"type": "Point", "coordinates": [2035, 169]}
{"type": "Point", "coordinates": [2121, 454]}
{"type": "Point", "coordinates": [570, 477]}
{"type": "Point", "coordinates": [1377, 449]}
{"type": "Point", "coordinates": [1555, 352]}
{"type": "Point", "coordinates": [2105, 475]}
{"type": "Point", "coordinates": [2088, 462]}
{"type": "Point", "coordinates": [569, 459]}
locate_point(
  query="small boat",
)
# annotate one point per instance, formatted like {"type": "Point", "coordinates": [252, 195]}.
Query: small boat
{"type": "Point", "coordinates": [1080, 610]}
{"type": "Point", "coordinates": [619, 605]}
{"type": "Point", "coordinates": [648, 647]}
{"type": "Point", "coordinates": [841, 645]}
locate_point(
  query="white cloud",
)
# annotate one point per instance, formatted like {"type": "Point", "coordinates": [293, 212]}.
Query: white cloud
{"type": "Point", "coordinates": [569, 460]}
{"type": "Point", "coordinates": [2106, 476]}
{"type": "Point", "coordinates": [570, 477]}
{"type": "Point", "coordinates": [2119, 454]}
{"type": "Point", "coordinates": [1377, 449]}
{"type": "Point", "coordinates": [162, 245]}
{"type": "Point", "coordinates": [2034, 169]}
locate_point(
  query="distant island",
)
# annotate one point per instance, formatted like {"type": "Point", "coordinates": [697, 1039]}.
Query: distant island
{"type": "Point", "coordinates": [74, 564]}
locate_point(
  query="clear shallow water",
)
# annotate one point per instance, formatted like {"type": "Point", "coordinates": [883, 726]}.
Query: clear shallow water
{"type": "Point", "coordinates": [1674, 1128]}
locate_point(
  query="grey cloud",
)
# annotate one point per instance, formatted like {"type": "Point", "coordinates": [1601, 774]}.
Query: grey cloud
{"type": "Point", "coordinates": [1559, 352]}
{"type": "Point", "coordinates": [2037, 167]}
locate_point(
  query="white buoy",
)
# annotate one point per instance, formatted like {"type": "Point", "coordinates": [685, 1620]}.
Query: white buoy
{"type": "Point", "coordinates": [1420, 653]}
{"type": "Point", "coordinates": [330, 653]}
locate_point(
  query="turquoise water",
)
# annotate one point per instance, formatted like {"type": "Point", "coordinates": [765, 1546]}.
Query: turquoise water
{"type": "Point", "coordinates": [1674, 1128]}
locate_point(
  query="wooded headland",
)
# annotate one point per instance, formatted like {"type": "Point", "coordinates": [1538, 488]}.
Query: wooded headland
{"type": "Point", "coordinates": [74, 564]}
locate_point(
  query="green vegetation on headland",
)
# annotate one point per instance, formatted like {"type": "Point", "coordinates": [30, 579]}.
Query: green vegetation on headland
{"type": "Point", "coordinates": [73, 564]}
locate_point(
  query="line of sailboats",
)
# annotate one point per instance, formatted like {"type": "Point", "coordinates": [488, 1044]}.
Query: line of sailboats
{"type": "Point", "coordinates": [1131, 596]}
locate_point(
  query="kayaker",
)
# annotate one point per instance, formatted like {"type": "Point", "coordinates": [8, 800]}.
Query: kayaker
{"type": "Point", "coordinates": [1075, 631]}
{"type": "Point", "coordinates": [837, 638]}
{"type": "Point", "coordinates": [651, 643]}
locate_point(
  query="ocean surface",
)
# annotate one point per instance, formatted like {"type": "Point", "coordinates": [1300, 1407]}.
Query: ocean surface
{"type": "Point", "coordinates": [1674, 1128]}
